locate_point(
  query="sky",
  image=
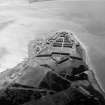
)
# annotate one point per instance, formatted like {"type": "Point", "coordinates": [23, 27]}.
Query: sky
{"type": "Point", "coordinates": [22, 21]}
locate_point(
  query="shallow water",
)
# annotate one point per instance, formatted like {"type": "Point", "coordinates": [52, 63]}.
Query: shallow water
{"type": "Point", "coordinates": [21, 23]}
